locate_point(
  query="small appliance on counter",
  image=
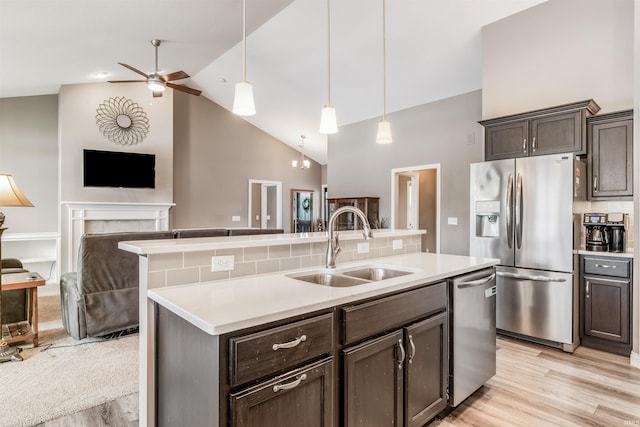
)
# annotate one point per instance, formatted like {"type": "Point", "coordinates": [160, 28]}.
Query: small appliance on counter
{"type": "Point", "coordinates": [605, 232]}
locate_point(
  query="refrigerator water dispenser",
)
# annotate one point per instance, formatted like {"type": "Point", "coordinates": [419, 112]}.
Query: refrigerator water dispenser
{"type": "Point", "coordinates": [488, 218]}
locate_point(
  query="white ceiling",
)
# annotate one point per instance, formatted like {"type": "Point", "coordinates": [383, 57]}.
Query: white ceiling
{"type": "Point", "coordinates": [433, 52]}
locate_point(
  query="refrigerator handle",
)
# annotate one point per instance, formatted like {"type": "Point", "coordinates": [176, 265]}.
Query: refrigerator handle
{"type": "Point", "coordinates": [531, 277]}
{"type": "Point", "coordinates": [510, 211]}
{"type": "Point", "coordinates": [519, 212]}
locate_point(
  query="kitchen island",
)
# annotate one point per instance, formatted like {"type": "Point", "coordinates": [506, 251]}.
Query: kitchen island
{"type": "Point", "coordinates": [205, 343]}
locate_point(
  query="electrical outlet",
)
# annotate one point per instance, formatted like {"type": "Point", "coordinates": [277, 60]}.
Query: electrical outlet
{"type": "Point", "coordinates": [397, 244]}
{"type": "Point", "coordinates": [363, 248]}
{"type": "Point", "coordinates": [222, 263]}
{"type": "Point", "coordinates": [235, 218]}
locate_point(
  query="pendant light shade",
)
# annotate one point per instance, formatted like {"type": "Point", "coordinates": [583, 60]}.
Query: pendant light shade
{"type": "Point", "coordinates": [384, 127]}
{"type": "Point", "coordinates": [243, 104]}
{"type": "Point", "coordinates": [243, 100]}
{"type": "Point", "coordinates": [384, 132]}
{"type": "Point", "coordinates": [328, 122]}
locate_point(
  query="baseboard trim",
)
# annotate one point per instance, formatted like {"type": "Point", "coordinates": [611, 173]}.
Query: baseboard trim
{"type": "Point", "coordinates": [635, 359]}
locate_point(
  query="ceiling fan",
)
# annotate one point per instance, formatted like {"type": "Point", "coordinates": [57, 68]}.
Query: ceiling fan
{"type": "Point", "coordinates": [156, 82]}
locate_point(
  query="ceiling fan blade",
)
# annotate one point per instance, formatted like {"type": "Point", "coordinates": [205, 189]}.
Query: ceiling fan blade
{"type": "Point", "coordinates": [178, 75]}
{"type": "Point", "coordinates": [127, 81]}
{"type": "Point", "coordinates": [186, 89]}
{"type": "Point", "coordinates": [135, 70]}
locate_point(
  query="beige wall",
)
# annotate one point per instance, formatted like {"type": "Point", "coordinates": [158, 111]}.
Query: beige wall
{"type": "Point", "coordinates": [216, 154]}
{"type": "Point", "coordinates": [29, 151]}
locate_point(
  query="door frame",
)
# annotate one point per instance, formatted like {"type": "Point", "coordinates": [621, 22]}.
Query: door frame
{"type": "Point", "coordinates": [265, 183]}
{"type": "Point", "coordinates": [395, 173]}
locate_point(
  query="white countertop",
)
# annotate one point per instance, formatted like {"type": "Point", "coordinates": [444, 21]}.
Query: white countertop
{"type": "Point", "coordinates": [225, 306]}
{"type": "Point", "coordinates": [159, 246]}
{"type": "Point", "coordinates": [626, 254]}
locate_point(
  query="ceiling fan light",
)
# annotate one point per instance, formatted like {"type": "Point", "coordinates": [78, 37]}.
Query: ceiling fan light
{"type": "Point", "coordinates": [384, 133]}
{"type": "Point", "coordinates": [328, 123]}
{"type": "Point", "coordinates": [155, 84]}
{"type": "Point", "coordinates": [243, 100]}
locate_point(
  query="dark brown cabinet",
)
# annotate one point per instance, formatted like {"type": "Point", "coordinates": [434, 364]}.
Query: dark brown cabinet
{"type": "Point", "coordinates": [605, 295]}
{"type": "Point", "coordinates": [399, 378]}
{"type": "Point", "coordinates": [349, 221]}
{"type": "Point", "coordinates": [611, 156]}
{"type": "Point", "coordinates": [554, 130]}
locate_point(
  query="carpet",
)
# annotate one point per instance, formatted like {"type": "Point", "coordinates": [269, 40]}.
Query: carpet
{"type": "Point", "coordinates": [62, 375]}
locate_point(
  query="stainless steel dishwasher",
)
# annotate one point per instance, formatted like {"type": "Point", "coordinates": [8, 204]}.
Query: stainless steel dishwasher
{"type": "Point", "coordinates": [473, 329]}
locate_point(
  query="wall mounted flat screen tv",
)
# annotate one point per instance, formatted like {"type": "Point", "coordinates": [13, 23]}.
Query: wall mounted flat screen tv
{"type": "Point", "coordinates": [119, 169]}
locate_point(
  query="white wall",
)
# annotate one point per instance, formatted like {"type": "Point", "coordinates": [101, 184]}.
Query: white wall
{"type": "Point", "coordinates": [559, 52]}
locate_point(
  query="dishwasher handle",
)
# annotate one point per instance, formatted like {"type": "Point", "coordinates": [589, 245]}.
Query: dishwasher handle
{"type": "Point", "coordinates": [531, 277]}
{"type": "Point", "coordinates": [474, 283]}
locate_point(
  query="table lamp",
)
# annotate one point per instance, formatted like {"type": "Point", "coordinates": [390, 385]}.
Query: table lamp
{"type": "Point", "coordinates": [10, 195]}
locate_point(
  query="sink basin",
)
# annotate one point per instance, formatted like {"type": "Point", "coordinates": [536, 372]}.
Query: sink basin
{"type": "Point", "coordinates": [330, 279]}
{"type": "Point", "coordinates": [375, 273]}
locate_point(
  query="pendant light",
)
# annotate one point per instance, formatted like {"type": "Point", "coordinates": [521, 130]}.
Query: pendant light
{"type": "Point", "coordinates": [303, 163]}
{"type": "Point", "coordinates": [243, 100]}
{"type": "Point", "coordinates": [328, 123]}
{"type": "Point", "coordinates": [384, 127]}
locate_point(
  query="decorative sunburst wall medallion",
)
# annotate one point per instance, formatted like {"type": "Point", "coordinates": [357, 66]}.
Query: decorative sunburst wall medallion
{"type": "Point", "coordinates": [122, 121]}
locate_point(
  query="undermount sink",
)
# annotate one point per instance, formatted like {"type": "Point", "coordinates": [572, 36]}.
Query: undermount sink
{"type": "Point", "coordinates": [330, 279]}
{"type": "Point", "coordinates": [350, 277]}
{"type": "Point", "coordinates": [376, 273]}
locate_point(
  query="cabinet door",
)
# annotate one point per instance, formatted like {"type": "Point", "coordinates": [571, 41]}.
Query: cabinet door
{"type": "Point", "coordinates": [302, 398]}
{"type": "Point", "coordinates": [606, 308]}
{"type": "Point", "coordinates": [426, 370]}
{"type": "Point", "coordinates": [373, 382]}
{"type": "Point", "coordinates": [558, 133]}
{"type": "Point", "coordinates": [506, 141]}
{"type": "Point", "coordinates": [611, 148]}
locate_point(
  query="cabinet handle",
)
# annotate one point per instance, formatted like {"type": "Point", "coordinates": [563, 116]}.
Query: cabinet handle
{"type": "Point", "coordinates": [289, 344]}
{"type": "Point", "coordinates": [605, 266]}
{"type": "Point", "coordinates": [524, 145]}
{"type": "Point", "coordinates": [595, 183]}
{"type": "Point", "coordinates": [533, 144]}
{"type": "Point", "coordinates": [289, 386]}
{"type": "Point", "coordinates": [413, 349]}
{"type": "Point", "coordinates": [402, 354]}
{"type": "Point", "coordinates": [587, 290]}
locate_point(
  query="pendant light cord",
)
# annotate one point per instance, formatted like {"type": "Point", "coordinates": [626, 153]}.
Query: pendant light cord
{"type": "Point", "coordinates": [244, 40]}
{"type": "Point", "coordinates": [329, 48]}
{"type": "Point", "coordinates": [384, 59]}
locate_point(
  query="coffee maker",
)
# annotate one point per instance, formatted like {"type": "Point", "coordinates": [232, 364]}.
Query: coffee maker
{"type": "Point", "coordinates": [605, 232]}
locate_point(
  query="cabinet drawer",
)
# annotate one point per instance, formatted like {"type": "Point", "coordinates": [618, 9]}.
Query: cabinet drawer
{"type": "Point", "coordinates": [605, 266]}
{"type": "Point", "coordinates": [364, 320]}
{"type": "Point", "coordinates": [266, 352]}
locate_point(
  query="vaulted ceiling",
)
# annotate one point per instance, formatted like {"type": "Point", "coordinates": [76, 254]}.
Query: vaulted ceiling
{"type": "Point", "coordinates": [433, 52]}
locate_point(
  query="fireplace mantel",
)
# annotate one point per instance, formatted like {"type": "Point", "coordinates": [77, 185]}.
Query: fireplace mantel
{"type": "Point", "coordinates": [118, 215]}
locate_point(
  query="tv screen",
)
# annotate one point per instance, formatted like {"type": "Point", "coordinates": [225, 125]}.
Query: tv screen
{"type": "Point", "coordinates": [118, 169]}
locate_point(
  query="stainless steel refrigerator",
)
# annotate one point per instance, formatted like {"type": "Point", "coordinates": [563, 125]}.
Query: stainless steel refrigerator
{"type": "Point", "coordinates": [522, 213]}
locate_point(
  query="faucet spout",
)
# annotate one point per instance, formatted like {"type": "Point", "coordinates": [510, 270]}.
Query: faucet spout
{"type": "Point", "coordinates": [333, 245]}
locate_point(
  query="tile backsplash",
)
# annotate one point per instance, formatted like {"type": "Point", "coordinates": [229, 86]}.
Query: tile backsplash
{"type": "Point", "coordinates": [194, 267]}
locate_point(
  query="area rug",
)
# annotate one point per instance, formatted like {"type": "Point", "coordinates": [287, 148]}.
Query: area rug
{"type": "Point", "coordinates": [62, 375]}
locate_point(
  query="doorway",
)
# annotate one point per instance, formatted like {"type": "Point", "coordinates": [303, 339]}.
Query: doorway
{"type": "Point", "coordinates": [265, 204]}
{"type": "Point", "coordinates": [415, 195]}
{"type": "Point", "coordinates": [301, 211]}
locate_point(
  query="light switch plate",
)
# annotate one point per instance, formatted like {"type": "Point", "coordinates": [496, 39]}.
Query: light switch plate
{"type": "Point", "coordinates": [397, 244]}
{"type": "Point", "coordinates": [235, 218]}
{"type": "Point", "coordinates": [363, 248]}
{"type": "Point", "coordinates": [452, 220]}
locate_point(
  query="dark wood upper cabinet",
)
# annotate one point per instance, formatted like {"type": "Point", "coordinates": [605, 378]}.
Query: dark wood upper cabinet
{"type": "Point", "coordinates": [560, 129]}
{"type": "Point", "coordinates": [610, 164]}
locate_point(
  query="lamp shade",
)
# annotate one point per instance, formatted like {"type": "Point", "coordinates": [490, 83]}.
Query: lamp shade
{"type": "Point", "coordinates": [243, 100]}
{"type": "Point", "coordinates": [10, 194]}
{"type": "Point", "coordinates": [328, 123]}
{"type": "Point", "coordinates": [156, 84]}
{"type": "Point", "coordinates": [384, 133]}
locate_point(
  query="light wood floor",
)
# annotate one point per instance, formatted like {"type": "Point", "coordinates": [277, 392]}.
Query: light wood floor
{"type": "Point", "coordinates": [534, 386]}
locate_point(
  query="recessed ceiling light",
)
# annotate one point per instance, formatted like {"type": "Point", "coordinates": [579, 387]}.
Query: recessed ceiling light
{"type": "Point", "coordinates": [101, 74]}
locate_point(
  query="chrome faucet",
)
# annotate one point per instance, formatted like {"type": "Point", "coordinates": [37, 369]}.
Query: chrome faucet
{"type": "Point", "coordinates": [333, 246]}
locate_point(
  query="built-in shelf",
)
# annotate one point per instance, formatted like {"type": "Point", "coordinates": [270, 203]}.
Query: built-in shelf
{"type": "Point", "coordinates": [38, 252]}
